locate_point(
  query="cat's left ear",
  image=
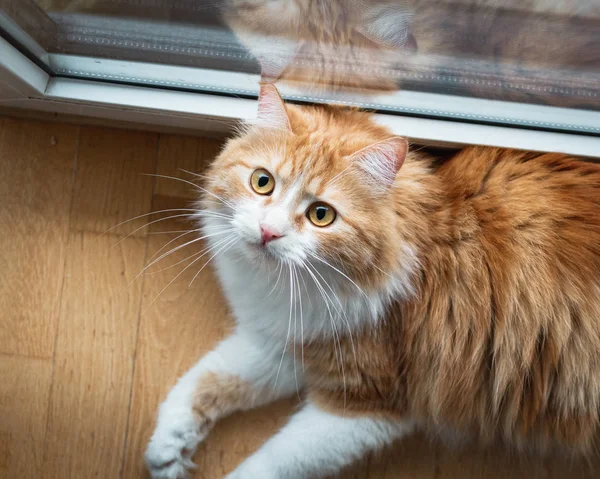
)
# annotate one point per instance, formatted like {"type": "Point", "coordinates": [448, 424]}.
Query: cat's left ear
{"type": "Point", "coordinates": [271, 109]}
{"type": "Point", "coordinates": [381, 161]}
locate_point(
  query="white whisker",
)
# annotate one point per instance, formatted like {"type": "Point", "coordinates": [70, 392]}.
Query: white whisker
{"type": "Point", "coordinates": [303, 264]}
{"type": "Point", "coordinates": [164, 255]}
{"type": "Point", "coordinates": [146, 225]}
{"type": "Point", "coordinates": [171, 282]}
{"type": "Point", "coordinates": [197, 175]}
{"type": "Point", "coordinates": [171, 210]}
{"type": "Point", "coordinates": [172, 232]}
{"type": "Point", "coordinates": [170, 242]}
{"type": "Point", "coordinates": [213, 229]}
{"type": "Point", "coordinates": [342, 313]}
{"type": "Point", "coordinates": [276, 281]}
{"type": "Point", "coordinates": [211, 214]}
{"type": "Point", "coordinates": [301, 318]}
{"type": "Point", "coordinates": [336, 340]}
{"type": "Point", "coordinates": [286, 339]}
{"type": "Point", "coordinates": [177, 248]}
{"type": "Point", "coordinates": [227, 245]}
{"type": "Point", "coordinates": [345, 276]}
{"type": "Point", "coordinates": [176, 264]}
{"type": "Point", "coordinates": [337, 335]}
{"type": "Point", "coordinates": [186, 259]}
{"type": "Point", "coordinates": [292, 297]}
{"type": "Point", "coordinates": [226, 203]}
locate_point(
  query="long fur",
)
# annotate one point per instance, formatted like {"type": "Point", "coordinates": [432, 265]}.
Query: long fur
{"type": "Point", "coordinates": [485, 272]}
{"type": "Point", "coordinates": [460, 297]}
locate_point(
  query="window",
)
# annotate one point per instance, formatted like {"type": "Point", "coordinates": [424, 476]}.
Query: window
{"type": "Point", "coordinates": [525, 64]}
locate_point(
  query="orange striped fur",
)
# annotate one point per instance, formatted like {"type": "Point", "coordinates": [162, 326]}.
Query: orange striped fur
{"type": "Point", "coordinates": [498, 336]}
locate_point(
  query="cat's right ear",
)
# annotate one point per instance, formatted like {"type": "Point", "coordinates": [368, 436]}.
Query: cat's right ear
{"type": "Point", "coordinates": [271, 109]}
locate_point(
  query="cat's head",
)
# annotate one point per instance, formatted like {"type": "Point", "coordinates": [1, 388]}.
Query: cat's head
{"type": "Point", "coordinates": [324, 45]}
{"type": "Point", "coordinates": [308, 185]}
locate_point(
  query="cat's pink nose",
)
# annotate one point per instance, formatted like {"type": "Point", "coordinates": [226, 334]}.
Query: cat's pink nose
{"type": "Point", "coordinates": [268, 234]}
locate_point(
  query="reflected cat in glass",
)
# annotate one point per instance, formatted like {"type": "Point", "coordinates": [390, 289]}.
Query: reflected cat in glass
{"type": "Point", "coordinates": [540, 51]}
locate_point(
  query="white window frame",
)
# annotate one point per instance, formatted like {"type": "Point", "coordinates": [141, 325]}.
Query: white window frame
{"type": "Point", "coordinates": [154, 105]}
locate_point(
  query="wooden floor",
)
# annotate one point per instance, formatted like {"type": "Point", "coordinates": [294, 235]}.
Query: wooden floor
{"type": "Point", "coordinates": [88, 348]}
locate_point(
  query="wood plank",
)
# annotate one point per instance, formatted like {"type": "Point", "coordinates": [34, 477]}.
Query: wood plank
{"type": "Point", "coordinates": [410, 458]}
{"type": "Point", "coordinates": [94, 357]}
{"type": "Point", "coordinates": [208, 152]}
{"type": "Point", "coordinates": [24, 394]}
{"type": "Point", "coordinates": [112, 183]}
{"type": "Point", "coordinates": [100, 307]}
{"type": "Point", "coordinates": [37, 161]}
{"type": "Point", "coordinates": [176, 153]}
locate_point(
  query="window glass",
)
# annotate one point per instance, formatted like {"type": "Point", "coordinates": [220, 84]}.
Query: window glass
{"type": "Point", "coordinates": [538, 53]}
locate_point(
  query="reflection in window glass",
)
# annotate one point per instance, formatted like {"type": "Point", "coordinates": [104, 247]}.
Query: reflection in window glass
{"type": "Point", "coordinates": [543, 52]}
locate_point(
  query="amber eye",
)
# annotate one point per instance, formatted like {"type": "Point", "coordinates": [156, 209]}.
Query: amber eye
{"type": "Point", "coordinates": [262, 182]}
{"type": "Point", "coordinates": [321, 214]}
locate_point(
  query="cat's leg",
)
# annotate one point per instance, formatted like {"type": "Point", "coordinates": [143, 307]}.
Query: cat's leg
{"type": "Point", "coordinates": [243, 372]}
{"type": "Point", "coordinates": [317, 443]}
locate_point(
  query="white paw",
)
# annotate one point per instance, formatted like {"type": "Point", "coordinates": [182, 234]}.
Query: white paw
{"type": "Point", "coordinates": [169, 453]}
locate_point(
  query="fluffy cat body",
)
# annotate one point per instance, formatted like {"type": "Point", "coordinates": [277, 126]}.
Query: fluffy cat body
{"type": "Point", "coordinates": [462, 296]}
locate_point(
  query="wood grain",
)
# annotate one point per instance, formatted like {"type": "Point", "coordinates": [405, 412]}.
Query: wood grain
{"type": "Point", "coordinates": [23, 410]}
{"type": "Point", "coordinates": [177, 153]}
{"type": "Point", "coordinates": [472, 462]}
{"type": "Point", "coordinates": [413, 458]}
{"type": "Point", "coordinates": [112, 183]}
{"type": "Point", "coordinates": [37, 161]}
{"type": "Point", "coordinates": [94, 357]}
{"type": "Point", "coordinates": [99, 317]}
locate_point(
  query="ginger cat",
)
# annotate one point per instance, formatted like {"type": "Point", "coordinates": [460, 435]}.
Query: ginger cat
{"type": "Point", "coordinates": [398, 293]}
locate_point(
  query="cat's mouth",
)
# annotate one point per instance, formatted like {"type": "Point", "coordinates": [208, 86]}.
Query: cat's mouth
{"type": "Point", "coordinates": [262, 250]}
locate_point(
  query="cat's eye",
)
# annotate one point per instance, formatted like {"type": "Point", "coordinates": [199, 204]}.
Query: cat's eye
{"type": "Point", "coordinates": [321, 214]}
{"type": "Point", "coordinates": [262, 182]}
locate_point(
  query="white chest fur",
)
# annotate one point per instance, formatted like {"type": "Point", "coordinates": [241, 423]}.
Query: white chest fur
{"type": "Point", "coordinates": [287, 304]}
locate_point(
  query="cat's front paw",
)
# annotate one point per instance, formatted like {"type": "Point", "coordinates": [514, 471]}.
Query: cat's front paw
{"type": "Point", "coordinates": [169, 453]}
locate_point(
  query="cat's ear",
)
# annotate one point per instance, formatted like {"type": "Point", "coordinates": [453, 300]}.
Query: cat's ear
{"type": "Point", "coordinates": [388, 25]}
{"type": "Point", "coordinates": [271, 109]}
{"type": "Point", "coordinates": [380, 162]}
